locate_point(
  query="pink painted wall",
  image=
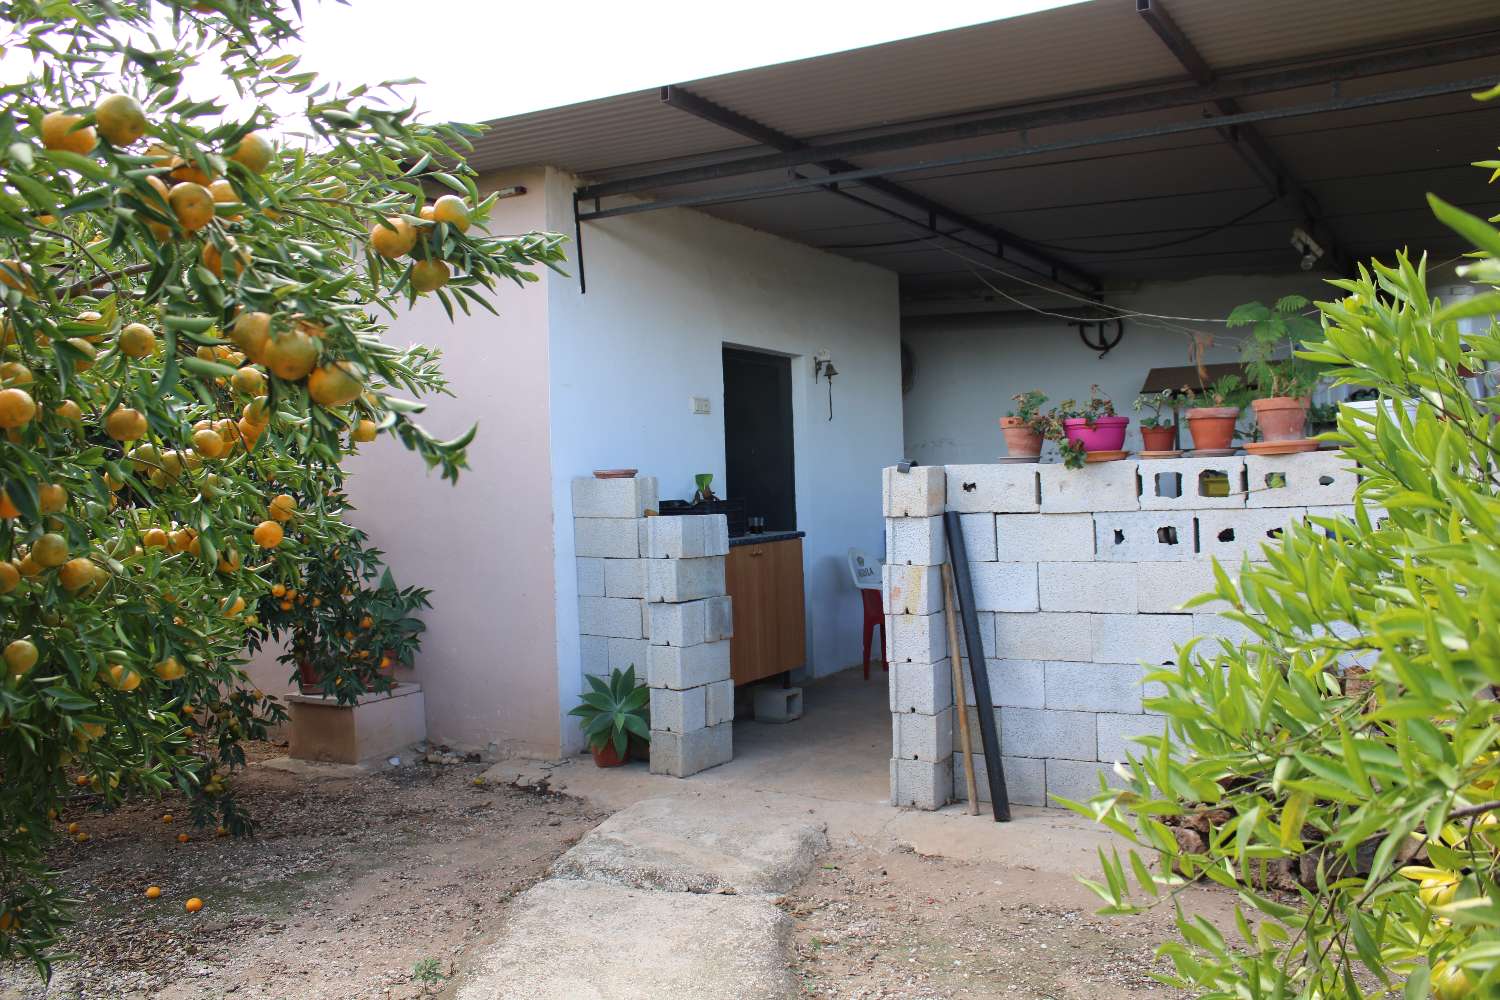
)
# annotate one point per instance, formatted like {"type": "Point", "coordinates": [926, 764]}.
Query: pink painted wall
{"type": "Point", "coordinates": [484, 547]}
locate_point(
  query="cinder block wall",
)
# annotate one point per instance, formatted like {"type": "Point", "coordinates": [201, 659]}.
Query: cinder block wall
{"type": "Point", "coordinates": [651, 594]}
{"type": "Point", "coordinates": [1078, 578]}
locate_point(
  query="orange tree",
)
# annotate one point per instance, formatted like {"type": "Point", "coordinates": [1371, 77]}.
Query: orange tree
{"type": "Point", "coordinates": [190, 328]}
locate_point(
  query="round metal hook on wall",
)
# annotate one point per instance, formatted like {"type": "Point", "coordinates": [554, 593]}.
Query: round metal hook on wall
{"type": "Point", "coordinates": [1102, 342]}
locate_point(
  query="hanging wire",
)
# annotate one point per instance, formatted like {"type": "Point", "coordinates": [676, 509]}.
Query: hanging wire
{"type": "Point", "coordinates": [1209, 231]}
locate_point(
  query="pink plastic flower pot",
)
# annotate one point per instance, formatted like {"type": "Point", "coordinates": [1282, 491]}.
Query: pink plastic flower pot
{"type": "Point", "coordinates": [1103, 434]}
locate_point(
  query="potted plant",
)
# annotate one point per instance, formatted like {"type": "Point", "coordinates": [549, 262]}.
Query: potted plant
{"type": "Point", "coordinates": [1158, 433]}
{"type": "Point", "coordinates": [345, 622]}
{"type": "Point", "coordinates": [1212, 425]}
{"type": "Point", "coordinates": [1092, 429]}
{"type": "Point", "coordinates": [612, 712]}
{"type": "Point", "coordinates": [1282, 382]}
{"type": "Point", "coordinates": [1023, 427]}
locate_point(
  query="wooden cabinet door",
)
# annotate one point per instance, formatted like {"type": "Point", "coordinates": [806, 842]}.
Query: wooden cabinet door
{"type": "Point", "coordinates": [787, 622]}
{"type": "Point", "coordinates": [742, 576]}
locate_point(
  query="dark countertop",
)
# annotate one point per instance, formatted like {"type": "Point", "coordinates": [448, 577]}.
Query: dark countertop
{"type": "Point", "coordinates": [766, 536]}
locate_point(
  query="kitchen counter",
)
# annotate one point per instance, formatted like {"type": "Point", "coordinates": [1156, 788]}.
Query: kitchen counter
{"type": "Point", "coordinates": [766, 536]}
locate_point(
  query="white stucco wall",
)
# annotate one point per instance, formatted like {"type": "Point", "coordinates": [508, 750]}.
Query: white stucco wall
{"type": "Point", "coordinates": [483, 546]}
{"type": "Point", "coordinates": [666, 292]}
{"type": "Point", "coordinates": [968, 368]}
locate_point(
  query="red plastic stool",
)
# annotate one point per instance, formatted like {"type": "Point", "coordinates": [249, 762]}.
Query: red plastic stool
{"type": "Point", "coordinates": [874, 619]}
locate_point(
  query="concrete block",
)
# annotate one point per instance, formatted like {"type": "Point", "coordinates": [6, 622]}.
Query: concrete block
{"type": "Point", "coordinates": [918, 493]}
{"type": "Point", "coordinates": [1192, 483]}
{"type": "Point", "coordinates": [986, 622]}
{"type": "Point", "coordinates": [625, 578]}
{"type": "Point", "coordinates": [1165, 586]}
{"type": "Point", "coordinates": [606, 538]}
{"type": "Point", "coordinates": [683, 667]}
{"type": "Point", "coordinates": [1044, 537]}
{"type": "Point", "coordinates": [719, 623]}
{"type": "Point", "coordinates": [685, 536]}
{"type": "Point", "coordinates": [720, 705]}
{"type": "Point", "coordinates": [1013, 683]}
{"type": "Point", "coordinates": [1102, 486]}
{"type": "Point", "coordinates": [1231, 535]}
{"type": "Point", "coordinates": [1081, 586]}
{"type": "Point", "coordinates": [1042, 635]}
{"type": "Point", "coordinates": [593, 655]}
{"type": "Point", "coordinates": [682, 754]}
{"type": "Point", "coordinates": [921, 687]}
{"type": "Point", "coordinates": [1117, 734]}
{"type": "Point", "coordinates": [679, 711]}
{"type": "Point", "coordinates": [1033, 732]}
{"type": "Point", "coordinates": [626, 653]}
{"type": "Point", "coordinates": [777, 704]}
{"type": "Point", "coordinates": [1004, 586]}
{"type": "Point", "coordinates": [915, 638]}
{"type": "Point", "coordinates": [920, 784]}
{"type": "Point", "coordinates": [915, 541]}
{"type": "Point", "coordinates": [1025, 780]}
{"type": "Point", "coordinates": [979, 537]}
{"type": "Point", "coordinates": [1311, 479]}
{"type": "Point", "coordinates": [912, 590]}
{"type": "Point", "coordinates": [1144, 536]}
{"type": "Point", "coordinates": [974, 489]}
{"type": "Point", "coordinates": [1217, 630]}
{"type": "Point", "coordinates": [679, 580]}
{"type": "Point", "coordinates": [590, 577]}
{"type": "Point", "coordinates": [375, 726]}
{"type": "Point", "coordinates": [609, 616]}
{"type": "Point", "coordinates": [1077, 780]}
{"type": "Point", "coordinates": [915, 736]}
{"type": "Point", "coordinates": [613, 497]}
{"type": "Point", "coordinates": [1150, 639]}
{"type": "Point", "coordinates": [1093, 687]}
{"type": "Point", "coordinates": [683, 624]}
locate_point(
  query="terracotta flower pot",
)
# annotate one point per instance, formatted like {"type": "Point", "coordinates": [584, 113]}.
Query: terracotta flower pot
{"type": "Point", "coordinates": [1281, 418]}
{"type": "Point", "coordinates": [1021, 440]}
{"type": "Point", "coordinates": [309, 678]}
{"type": "Point", "coordinates": [606, 756]}
{"type": "Point", "coordinates": [1103, 434]}
{"type": "Point", "coordinates": [1212, 427]}
{"type": "Point", "coordinates": [1158, 438]}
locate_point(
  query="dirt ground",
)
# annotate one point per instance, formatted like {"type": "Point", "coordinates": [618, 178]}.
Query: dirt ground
{"type": "Point", "coordinates": [358, 886]}
{"type": "Point", "coordinates": [876, 923]}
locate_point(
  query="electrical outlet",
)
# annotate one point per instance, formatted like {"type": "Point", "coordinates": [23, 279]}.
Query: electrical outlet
{"type": "Point", "coordinates": [701, 407]}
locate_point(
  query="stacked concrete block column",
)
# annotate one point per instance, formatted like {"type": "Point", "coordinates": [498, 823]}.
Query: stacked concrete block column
{"type": "Point", "coordinates": [689, 623]}
{"type": "Point", "coordinates": [611, 574]}
{"type": "Point", "coordinates": [1080, 577]}
{"type": "Point", "coordinates": [921, 681]}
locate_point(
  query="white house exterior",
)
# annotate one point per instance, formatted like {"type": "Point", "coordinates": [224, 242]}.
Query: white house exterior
{"type": "Point", "coordinates": [1008, 181]}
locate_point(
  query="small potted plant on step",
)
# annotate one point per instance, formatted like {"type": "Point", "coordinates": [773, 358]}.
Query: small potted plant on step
{"type": "Point", "coordinates": [1023, 427]}
{"type": "Point", "coordinates": [1281, 381]}
{"type": "Point", "coordinates": [612, 712]}
{"type": "Point", "coordinates": [1212, 425]}
{"type": "Point", "coordinates": [1090, 434]}
{"type": "Point", "coordinates": [1158, 432]}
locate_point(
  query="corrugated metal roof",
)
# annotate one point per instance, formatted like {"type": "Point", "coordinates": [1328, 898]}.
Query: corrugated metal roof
{"type": "Point", "coordinates": [1367, 168]}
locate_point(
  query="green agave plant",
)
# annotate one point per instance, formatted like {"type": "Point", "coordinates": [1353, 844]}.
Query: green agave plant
{"type": "Point", "coordinates": [614, 711]}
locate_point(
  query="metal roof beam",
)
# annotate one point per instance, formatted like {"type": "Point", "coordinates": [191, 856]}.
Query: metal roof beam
{"type": "Point", "coordinates": [989, 156]}
{"type": "Point", "coordinates": [710, 111]}
{"type": "Point", "coordinates": [1246, 140]}
{"type": "Point", "coordinates": [1417, 57]}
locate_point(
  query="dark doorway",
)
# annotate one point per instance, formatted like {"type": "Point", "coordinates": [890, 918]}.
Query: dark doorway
{"type": "Point", "coordinates": [758, 436]}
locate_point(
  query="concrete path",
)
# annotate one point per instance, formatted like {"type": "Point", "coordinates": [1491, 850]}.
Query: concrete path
{"type": "Point", "coordinates": [669, 898]}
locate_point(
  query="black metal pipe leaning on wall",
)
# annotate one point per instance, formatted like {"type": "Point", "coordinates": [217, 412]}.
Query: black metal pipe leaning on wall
{"type": "Point", "coordinates": [978, 673]}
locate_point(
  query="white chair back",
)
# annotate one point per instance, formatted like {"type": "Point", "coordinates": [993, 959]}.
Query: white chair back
{"type": "Point", "coordinates": [864, 570]}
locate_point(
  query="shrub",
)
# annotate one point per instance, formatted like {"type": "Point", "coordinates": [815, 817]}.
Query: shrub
{"type": "Point", "coordinates": [1338, 771]}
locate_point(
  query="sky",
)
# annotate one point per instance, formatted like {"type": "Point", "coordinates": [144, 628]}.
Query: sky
{"type": "Point", "coordinates": [483, 59]}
